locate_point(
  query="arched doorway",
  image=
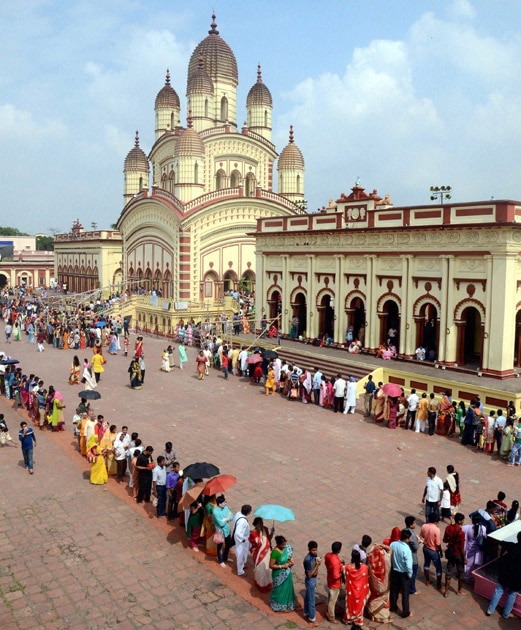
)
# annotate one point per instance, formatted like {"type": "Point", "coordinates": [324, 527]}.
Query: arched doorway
{"type": "Point", "coordinates": [427, 331]}
{"type": "Point", "coordinates": [247, 283]}
{"type": "Point", "coordinates": [470, 338]}
{"type": "Point", "coordinates": [356, 318]}
{"type": "Point", "coordinates": [230, 280]}
{"type": "Point", "coordinates": [326, 317]}
{"type": "Point", "coordinates": [275, 305]}
{"type": "Point", "coordinates": [389, 322]}
{"type": "Point", "coordinates": [300, 314]}
{"type": "Point", "coordinates": [4, 280]}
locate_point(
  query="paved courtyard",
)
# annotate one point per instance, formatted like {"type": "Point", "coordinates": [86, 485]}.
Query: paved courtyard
{"type": "Point", "coordinates": [78, 556]}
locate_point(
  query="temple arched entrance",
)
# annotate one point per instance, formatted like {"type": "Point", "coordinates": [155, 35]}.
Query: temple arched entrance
{"type": "Point", "coordinates": [275, 305]}
{"type": "Point", "coordinates": [356, 318]}
{"type": "Point", "coordinates": [326, 316]}
{"type": "Point", "coordinates": [300, 314]}
{"type": "Point", "coordinates": [389, 322]}
{"type": "Point", "coordinates": [470, 338]}
{"type": "Point", "coordinates": [427, 330]}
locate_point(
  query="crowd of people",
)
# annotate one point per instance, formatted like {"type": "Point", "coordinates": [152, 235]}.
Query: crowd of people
{"type": "Point", "coordinates": [423, 413]}
{"type": "Point", "coordinates": [374, 574]}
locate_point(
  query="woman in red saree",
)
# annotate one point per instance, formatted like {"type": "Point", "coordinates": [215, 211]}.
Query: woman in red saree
{"type": "Point", "coordinates": [260, 540]}
{"type": "Point", "coordinates": [379, 566]}
{"type": "Point", "coordinates": [357, 590]}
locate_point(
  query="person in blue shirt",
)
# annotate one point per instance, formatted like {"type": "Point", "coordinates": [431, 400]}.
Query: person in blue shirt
{"type": "Point", "coordinates": [311, 564]}
{"type": "Point", "coordinates": [28, 442]}
{"type": "Point", "coordinates": [401, 572]}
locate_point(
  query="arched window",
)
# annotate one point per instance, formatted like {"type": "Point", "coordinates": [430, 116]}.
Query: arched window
{"type": "Point", "coordinates": [235, 179]}
{"type": "Point", "coordinates": [265, 118]}
{"type": "Point", "coordinates": [224, 108]}
{"type": "Point", "coordinates": [298, 183]}
{"type": "Point", "coordinates": [172, 121]}
{"type": "Point", "coordinates": [250, 185]}
{"type": "Point", "coordinates": [220, 179]}
{"type": "Point", "coordinates": [171, 181]}
{"type": "Point", "coordinates": [148, 279]}
{"type": "Point", "coordinates": [140, 184]}
{"type": "Point", "coordinates": [196, 173]}
{"type": "Point", "coordinates": [206, 108]}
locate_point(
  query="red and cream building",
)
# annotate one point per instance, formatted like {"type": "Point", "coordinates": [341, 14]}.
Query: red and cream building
{"type": "Point", "coordinates": [192, 202]}
{"type": "Point", "coordinates": [445, 276]}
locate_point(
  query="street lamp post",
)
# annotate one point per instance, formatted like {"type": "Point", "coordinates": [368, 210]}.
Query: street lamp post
{"type": "Point", "coordinates": [441, 193]}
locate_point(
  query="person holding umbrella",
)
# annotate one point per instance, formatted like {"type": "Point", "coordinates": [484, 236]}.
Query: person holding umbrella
{"type": "Point", "coordinates": [222, 517]}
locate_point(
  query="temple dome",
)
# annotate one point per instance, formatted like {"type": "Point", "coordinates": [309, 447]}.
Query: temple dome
{"type": "Point", "coordinates": [200, 82]}
{"type": "Point", "coordinates": [218, 58]}
{"type": "Point", "coordinates": [136, 159]}
{"type": "Point", "coordinates": [259, 93]}
{"type": "Point", "coordinates": [291, 156]}
{"type": "Point", "coordinates": [189, 143]}
{"type": "Point", "coordinates": [167, 96]}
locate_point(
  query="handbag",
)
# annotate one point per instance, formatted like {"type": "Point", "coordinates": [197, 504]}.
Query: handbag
{"type": "Point", "coordinates": [293, 393]}
{"type": "Point", "coordinates": [218, 537]}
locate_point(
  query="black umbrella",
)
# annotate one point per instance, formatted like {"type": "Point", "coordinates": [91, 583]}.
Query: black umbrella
{"type": "Point", "coordinates": [9, 361]}
{"type": "Point", "coordinates": [270, 354]}
{"type": "Point", "coordinates": [89, 394]}
{"type": "Point", "coordinates": [200, 470]}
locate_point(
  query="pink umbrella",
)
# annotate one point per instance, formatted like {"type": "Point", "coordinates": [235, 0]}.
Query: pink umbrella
{"type": "Point", "coordinates": [392, 389]}
{"type": "Point", "coordinates": [254, 358]}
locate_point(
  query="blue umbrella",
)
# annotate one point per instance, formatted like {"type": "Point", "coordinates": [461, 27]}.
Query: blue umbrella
{"type": "Point", "coordinates": [275, 513]}
{"type": "Point", "coordinates": [100, 324]}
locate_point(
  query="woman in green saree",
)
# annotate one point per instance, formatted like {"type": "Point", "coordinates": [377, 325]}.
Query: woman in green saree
{"type": "Point", "coordinates": [282, 596]}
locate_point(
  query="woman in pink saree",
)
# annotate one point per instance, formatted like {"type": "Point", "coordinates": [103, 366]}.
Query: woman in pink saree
{"type": "Point", "coordinates": [379, 565]}
{"type": "Point", "coordinates": [260, 540]}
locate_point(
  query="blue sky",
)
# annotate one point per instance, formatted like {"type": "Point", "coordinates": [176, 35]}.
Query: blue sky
{"type": "Point", "coordinates": [403, 93]}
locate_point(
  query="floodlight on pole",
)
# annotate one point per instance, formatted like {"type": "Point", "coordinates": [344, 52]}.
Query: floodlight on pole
{"type": "Point", "coordinates": [440, 193]}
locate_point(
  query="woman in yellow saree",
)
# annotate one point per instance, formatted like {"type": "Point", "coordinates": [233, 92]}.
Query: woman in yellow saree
{"type": "Point", "coordinates": [98, 470]}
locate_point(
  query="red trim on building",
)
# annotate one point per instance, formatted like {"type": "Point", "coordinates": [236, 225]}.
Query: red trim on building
{"type": "Point", "coordinates": [474, 212]}
{"type": "Point", "coordinates": [427, 214]}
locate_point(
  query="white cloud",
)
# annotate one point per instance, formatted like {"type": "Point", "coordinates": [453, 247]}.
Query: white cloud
{"type": "Point", "coordinates": [461, 9]}
{"type": "Point", "coordinates": [21, 126]}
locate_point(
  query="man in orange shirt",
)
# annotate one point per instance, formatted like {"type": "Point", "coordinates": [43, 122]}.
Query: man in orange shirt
{"type": "Point", "coordinates": [335, 568]}
{"type": "Point", "coordinates": [431, 537]}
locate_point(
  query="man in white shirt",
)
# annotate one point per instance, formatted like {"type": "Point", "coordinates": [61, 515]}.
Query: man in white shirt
{"type": "Point", "coordinates": [241, 533]}
{"type": "Point", "coordinates": [432, 494]}
{"type": "Point", "coordinates": [159, 486]}
{"type": "Point", "coordinates": [413, 401]}
{"type": "Point", "coordinates": [317, 381]}
{"type": "Point", "coordinates": [121, 446]}
{"type": "Point", "coordinates": [339, 392]}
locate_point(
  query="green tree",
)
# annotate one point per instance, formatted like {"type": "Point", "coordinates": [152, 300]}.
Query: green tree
{"type": "Point", "coordinates": [45, 243]}
{"type": "Point", "coordinates": [9, 231]}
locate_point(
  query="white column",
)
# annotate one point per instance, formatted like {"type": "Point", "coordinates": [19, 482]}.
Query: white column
{"type": "Point", "coordinates": [370, 308]}
{"type": "Point", "coordinates": [340, 325]}
{"type": "Point", "coordinates": [312, 319]}
{"type": "Point", "coordinates": [441, 351]}
{"type": "Point", "coordinates": [451, 339]}
{"type": "Point", "coordinates": [260, 297]}
{"type": "Point", "coordinates": [287, 314]}
{"type": "Point", "coordinates": [500, 319]}
{"type": "Point", "coordinates": [485, 359]}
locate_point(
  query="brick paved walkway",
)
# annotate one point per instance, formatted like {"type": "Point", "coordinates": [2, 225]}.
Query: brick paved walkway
{"type": "Point", "coordinates": [78, 556]}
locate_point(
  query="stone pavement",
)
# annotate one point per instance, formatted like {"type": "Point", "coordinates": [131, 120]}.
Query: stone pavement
{"type": "Point", "coordinates": [78, 556]}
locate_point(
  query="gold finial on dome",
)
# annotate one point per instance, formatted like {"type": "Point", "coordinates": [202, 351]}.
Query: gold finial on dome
{"type": "Point", "coordinates": [213, 30]}
{"type": "Point", "coordinates": [167, 80]}
{"type": "Point", "coordinates": [291, 138]}
{"type": "Point", "coordinates": [189, 119]}
{"type": "Point", "coordinates": [259, 74]}
{"type": "Point", "coordinates": [136, 141]}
